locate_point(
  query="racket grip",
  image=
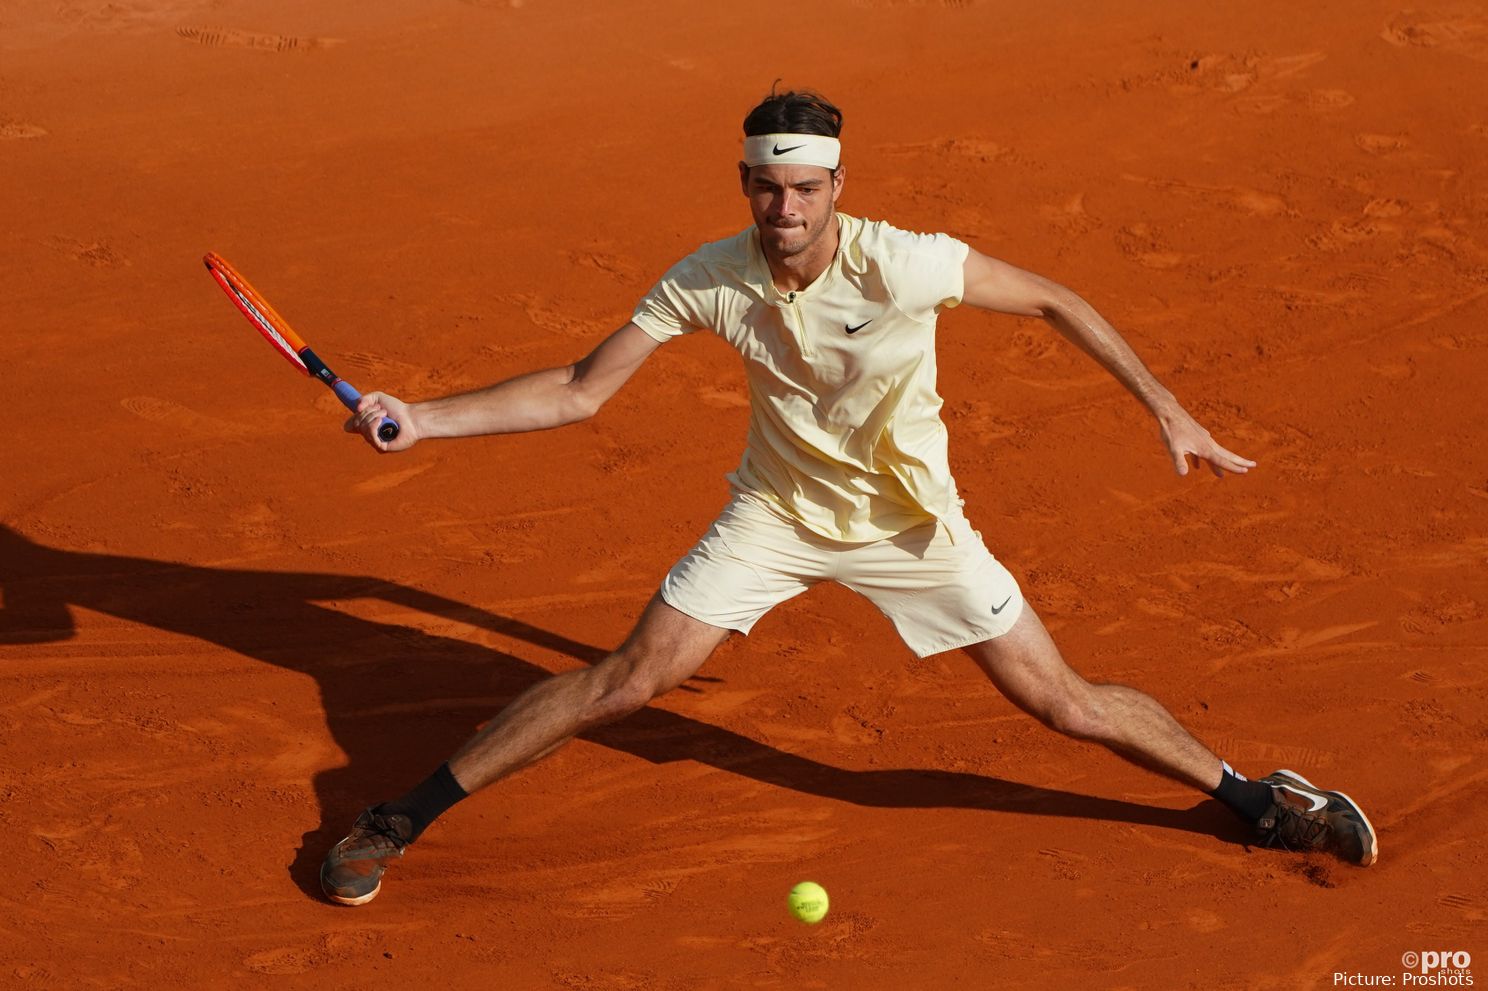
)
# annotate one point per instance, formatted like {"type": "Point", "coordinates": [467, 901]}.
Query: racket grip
{"type": "Point", "coordinates": [346, 393]}
{"type": "Point", "coordinates": [387, 430]}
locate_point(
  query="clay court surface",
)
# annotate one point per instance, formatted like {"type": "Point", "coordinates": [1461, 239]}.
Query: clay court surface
{"type": "Point", "coordinates": [225, 626]}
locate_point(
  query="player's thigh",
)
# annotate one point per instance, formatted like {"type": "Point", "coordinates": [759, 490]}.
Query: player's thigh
{"type": "Point", "coordinates": [1027, 667]}
{"type": "Point", "coordinates": [750, 560]}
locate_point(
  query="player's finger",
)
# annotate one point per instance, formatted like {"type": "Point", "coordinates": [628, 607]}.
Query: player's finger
{"type": "Point", "coordinates": [1233, 457]}
{"type": "Point", "coordinates": [366, 423]}
{"type": "Point", "coordinates": [1220, 465]}
{"type": "Point", "coordinates": [357, 422]}
{"type": "Point", "coordinates": [369, 434]}
{"type": "Point", "coordinates": [370, 415]}
{"type": "Point", "coordinates": [369, 400]}
{"type": "Point", "coordinates": [1180, 460]}
{"type": "Point", "coordinates": [1234, 462]}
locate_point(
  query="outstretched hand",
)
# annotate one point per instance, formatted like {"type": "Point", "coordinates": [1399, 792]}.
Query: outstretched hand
{"type": "Point", "coordinates": [1186, 438]}
{"type": "Point", "coordinates": [370, 411]}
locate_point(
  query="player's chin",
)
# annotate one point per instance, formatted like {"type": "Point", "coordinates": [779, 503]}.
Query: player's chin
{"type": "Point", "coordinates": [789, 240]}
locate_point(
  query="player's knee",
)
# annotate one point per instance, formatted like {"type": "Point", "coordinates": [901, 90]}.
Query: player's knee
{"type": "Point", "coordinates": [623, 696]}
{"type": "Point", "coordinates": [621, 700]}
{"type": "Point", "coordinates": [629, 680]}
{"type": "Point", "coordinates": [1072, 717]}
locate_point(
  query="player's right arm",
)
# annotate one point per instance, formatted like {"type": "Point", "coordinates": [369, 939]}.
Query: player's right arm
{"type": "Point", "coordinates": [995, 285]}
{"type": "Point", "coordinates": [539, 400]}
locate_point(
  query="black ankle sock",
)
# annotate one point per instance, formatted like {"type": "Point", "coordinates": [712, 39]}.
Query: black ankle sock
{"type": "Point", "coordinates": [428, 801]}
{"type": "Point", "coordinates": [1247, 799]}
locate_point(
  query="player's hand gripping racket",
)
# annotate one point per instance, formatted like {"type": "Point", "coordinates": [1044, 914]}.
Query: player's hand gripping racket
{"type": "Point", "coordinates": [276, 331]}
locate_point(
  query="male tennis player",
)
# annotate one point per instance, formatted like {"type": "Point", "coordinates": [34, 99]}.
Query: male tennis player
{"type": "Point", "coordinates": [844, 478]}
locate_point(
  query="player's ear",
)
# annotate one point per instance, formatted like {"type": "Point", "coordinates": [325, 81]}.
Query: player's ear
{"type": "Point", "coordinates": [744, 178]}
{"type": "Point", "coordinates": [837, 179]}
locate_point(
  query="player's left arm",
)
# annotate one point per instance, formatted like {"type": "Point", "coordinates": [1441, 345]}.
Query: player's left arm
{"type": "Point", "coordinates": [995, 285]}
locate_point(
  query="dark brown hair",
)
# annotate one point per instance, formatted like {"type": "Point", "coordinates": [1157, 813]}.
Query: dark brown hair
{"type": "Point", "coordinates": [794, 112]}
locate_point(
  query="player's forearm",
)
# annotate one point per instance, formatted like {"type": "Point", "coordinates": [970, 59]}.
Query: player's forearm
{"type": "Point", "coordinates": [536, 401]}
{"type": "Point", "coordinates": [1092, 333]}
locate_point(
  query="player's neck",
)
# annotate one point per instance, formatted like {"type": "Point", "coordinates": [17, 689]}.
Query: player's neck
{"type": "Point", "coordinates": [795, 272]}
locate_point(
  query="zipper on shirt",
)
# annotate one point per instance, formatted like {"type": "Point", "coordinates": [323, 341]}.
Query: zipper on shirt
{"type": "Point", "coordinates": [790, 299]}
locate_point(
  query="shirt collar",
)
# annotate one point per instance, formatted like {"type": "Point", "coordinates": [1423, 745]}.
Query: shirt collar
{"type": "Point", "coordinates": [757, 272]}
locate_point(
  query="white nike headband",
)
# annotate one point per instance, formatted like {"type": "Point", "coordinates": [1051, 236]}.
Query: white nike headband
{"type": "Point", "coordinates": [792, 149]}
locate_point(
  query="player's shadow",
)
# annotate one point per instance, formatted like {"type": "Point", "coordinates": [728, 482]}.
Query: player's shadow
{"type": "Point", "coordinates": [398, 700]}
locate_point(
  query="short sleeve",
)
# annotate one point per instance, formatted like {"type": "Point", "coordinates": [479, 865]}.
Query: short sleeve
{"type": "Point", "coordinates": [680, 303]}
{"type": "Point", "coordinates": [926, 272]}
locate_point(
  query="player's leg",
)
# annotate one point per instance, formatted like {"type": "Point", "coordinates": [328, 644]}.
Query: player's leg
{"type": "Point", "coordinates": [945, 591]}
{"type": "Point", "coordinates": [665, 649]}
{"type": "Point", "coordinates": [1286, 809]}
{"type": "Point", "coordinates": [1027, 667]}
{"type": "Point", "coordinates": [749, 561]}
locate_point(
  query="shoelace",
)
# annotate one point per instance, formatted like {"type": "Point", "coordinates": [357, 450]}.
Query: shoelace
{"type": "Point", "coordinates": [383, 826]}
{"type": "Point", "coordinates": [1306, 829]}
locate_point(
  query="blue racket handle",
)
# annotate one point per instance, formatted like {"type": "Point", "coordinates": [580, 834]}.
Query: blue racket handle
{"type": "Point", "coordinates": [387, 430]}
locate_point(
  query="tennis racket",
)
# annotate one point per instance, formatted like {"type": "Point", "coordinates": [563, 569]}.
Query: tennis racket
{"type": "Point", "coordinates": [277, 331]}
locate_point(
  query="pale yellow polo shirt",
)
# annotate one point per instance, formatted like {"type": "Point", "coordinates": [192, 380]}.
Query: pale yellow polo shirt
{"type": "Point", "coordinates": [845, 433]}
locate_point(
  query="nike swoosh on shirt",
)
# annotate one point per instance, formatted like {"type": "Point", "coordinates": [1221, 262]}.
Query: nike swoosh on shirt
{"type": "Point", "coordinates": [854, 330]}
{"type": "Point", "coordinates": [781, 151]}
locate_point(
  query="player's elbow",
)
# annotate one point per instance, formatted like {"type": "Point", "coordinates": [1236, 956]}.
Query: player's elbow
{"type": "Point", "coordinates": [585, 407]}
{"type": "Point", "coordinates": [1054, 301]}
{"type": "Point", "coordinates": [580, 401]}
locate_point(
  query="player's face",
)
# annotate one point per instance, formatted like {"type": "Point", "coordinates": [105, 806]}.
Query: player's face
{"type": "Point", "coordinates": [793, 205]}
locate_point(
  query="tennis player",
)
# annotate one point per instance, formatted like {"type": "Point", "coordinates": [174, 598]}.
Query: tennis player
{"type": "Point", "coordinates": [844, 478]}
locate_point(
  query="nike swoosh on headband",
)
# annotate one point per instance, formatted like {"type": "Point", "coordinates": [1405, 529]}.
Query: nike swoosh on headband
{"type": "Point", "coordinates": [782, 151]}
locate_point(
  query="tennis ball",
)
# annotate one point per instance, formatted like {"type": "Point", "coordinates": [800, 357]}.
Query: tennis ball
{"type": "Point", "coordinates": [808, 902]}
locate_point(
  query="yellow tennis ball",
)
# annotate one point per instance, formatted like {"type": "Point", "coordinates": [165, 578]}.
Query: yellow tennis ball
{"type": "Point", "coordinates": [808, 902]}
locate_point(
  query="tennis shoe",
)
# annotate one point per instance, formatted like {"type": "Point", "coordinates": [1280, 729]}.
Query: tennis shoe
{"type": "Point", "coordinates": [1305, 817]}
{"type": "Point", "coordinates": [352, 872]}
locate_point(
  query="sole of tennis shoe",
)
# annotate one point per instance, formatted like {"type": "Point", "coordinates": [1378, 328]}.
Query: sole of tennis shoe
{"type": "Point", "coordinates": [344, 899]}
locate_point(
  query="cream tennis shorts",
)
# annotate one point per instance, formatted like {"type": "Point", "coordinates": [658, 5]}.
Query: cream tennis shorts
{"type": "Point", "coordinates": [940, 593]}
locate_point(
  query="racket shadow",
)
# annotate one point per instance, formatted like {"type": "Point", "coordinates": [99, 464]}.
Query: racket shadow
{"type": "Point", "coordinates": [398, 700]}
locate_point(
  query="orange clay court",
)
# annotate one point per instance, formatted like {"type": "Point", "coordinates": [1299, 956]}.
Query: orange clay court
{"type": "Point", "coordinates": [226, 626]}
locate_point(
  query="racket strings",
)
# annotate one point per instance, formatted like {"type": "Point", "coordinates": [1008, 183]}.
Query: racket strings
{"type": "Point", "coordinates": [266, 325]}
